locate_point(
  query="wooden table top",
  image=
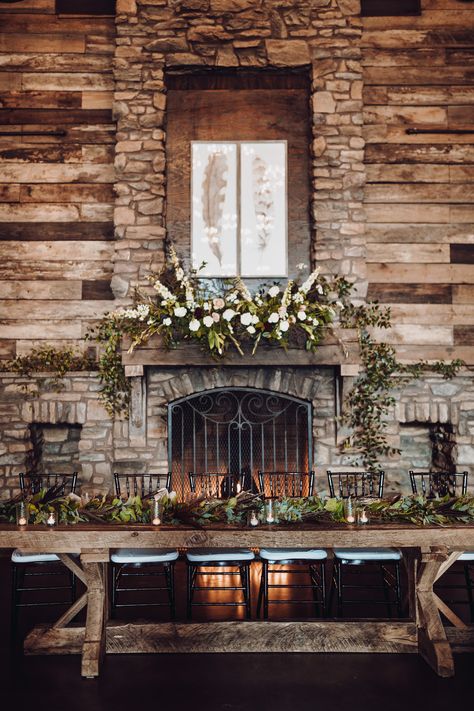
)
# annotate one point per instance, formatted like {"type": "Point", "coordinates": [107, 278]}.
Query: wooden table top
{"type": "Point", "coordinates": [77, 537]}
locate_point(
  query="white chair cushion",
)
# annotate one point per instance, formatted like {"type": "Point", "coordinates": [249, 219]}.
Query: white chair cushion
{"type": "Point", "coordinates": [466, 556]}
{"type": "Point", "coordinates": [367, 554]}
{"type": "Point", "coordinates": [143, 555]}
{"type": "Point", "coordinates": [203, 555]}
{"type": "Point", "coordinates": [276, 554]}
{"type": "Point", "coordinates": [19, 557]}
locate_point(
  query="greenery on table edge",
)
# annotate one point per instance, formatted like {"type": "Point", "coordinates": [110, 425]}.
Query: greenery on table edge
{"type": "Point", "coordinates": [73, 509]}
{"type": "Point", "coordinates": [257, 317]}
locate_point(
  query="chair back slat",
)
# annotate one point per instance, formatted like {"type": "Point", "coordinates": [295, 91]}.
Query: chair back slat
{"type": "Point", "coordinates": [215, 485]}
{"type": "Point", "coordinates": [275, 484]}
{"type": "Point", "coordinates": [139, 484]}
{"type": "Point", "coordinates": [356, 484]}
{"type": "Point", "coordinates": [33, 483]}
{"type": "Point", "coordinates": [435, 485]}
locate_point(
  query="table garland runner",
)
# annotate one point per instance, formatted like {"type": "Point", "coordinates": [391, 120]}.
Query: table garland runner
{"type": "Point", "coordinates": [73, 509]}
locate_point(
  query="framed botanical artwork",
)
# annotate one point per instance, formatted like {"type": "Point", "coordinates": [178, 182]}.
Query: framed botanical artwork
{"type": "Point", "coordinates": [239, 208]}
{"type": "Point", "coordinates": [263, 209]}
{"type": "Point", "coordinates": [214, 208]}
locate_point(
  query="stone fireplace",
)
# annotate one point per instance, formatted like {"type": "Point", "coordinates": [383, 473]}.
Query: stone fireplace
{"type": "Point", "coordinates": [238, 70]}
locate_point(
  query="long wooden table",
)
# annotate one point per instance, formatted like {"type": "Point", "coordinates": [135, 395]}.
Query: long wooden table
{"type": "Point", "coordinates": [428, 553]}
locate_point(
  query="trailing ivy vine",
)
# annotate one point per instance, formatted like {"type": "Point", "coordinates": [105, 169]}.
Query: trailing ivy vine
{"type": "Point", "coordinates": [368, 404]}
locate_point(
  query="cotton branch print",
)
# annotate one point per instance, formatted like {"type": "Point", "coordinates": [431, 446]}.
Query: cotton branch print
{"type": "Point", "coordinates": [263, 201]}
{"type": "Point", "coordinates": [214, 186]}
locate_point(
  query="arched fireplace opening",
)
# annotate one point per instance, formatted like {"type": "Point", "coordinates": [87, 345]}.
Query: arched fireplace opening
{"type": "Point", "coordinates": [237, 430]}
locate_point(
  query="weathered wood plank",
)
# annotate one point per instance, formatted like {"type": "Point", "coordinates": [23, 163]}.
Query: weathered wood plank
{"type": "Point", "coordinates": [7, 349]}
{"type": "Point", "coordinates": [9, 193]}
{"type": "Point", "coordinates": [17, 61]}
{"type": "Point", "coordinates": [463, 294]}
{"type": "Point", "coordinates": [54, 270]}
{"type": "Point", "coordinates": [395, 115]}
{"type": "Point", "coordinates": [42, 43]}
{"type": "Point", "coordinates": [461, 640]}
{"type": "Point", "coordinates": [446, 75]}
{"type": "Point", "coordinates": [55, 116]}
{"type": "Point", "coordinates": [245, 636]}
{"type": "Point", "coordinates": [376, 133]}
{"type": "Point", "coordinates": [39, 6]}
{"type": "Point", "coordinates": [462, 253]}
{"type": "Point", "coordinates": [442, 153]}
{"type": "Point", "coordinates": [56, 231]}
{"type": "Point", "coordinates": [418, 95]}
{"type": "Point", "coordinates": [10, 81]}
{"type": "Point", "coordinates": [56, 173]}
{"type": "Point", "coordinates": [427, 192]}
{"type": "Point", "coordinates": [429, 313]}
{"type": "Point", "coordinates": [402, 57]}
{"type": "Point", "coordinates": [41, 329]}
{"type": "Point", "coordinates": [97, 99]}
{"type": "Point", "coordinates": [413, 354]}
{"type": "Point", "coordinates": [456, 18]}
{"type": "Point", "coordinates": [421, 273]}
{"type": "Point", "coordinates": [430, 233]}
{"type": "Point", "coordinates": [55, 25]}
{"type": "Point", "coordinates": [44, 212]}
{"type": "Point", "coordinates": [409, 173]}
{"type": "Point", "coordinates": [411, 253]}
{"type": "Point", "coordinates": [67, 192]}
{"type": "Point", "coordinates": [73, 81]}
{"type": "Point", "coordinates": [41, 100]}
{"type": "Point", "coordinates": [387, 212]}
{"type": "Point", "coordinates": [32, 309]}
{"type": "Point", "coordinates": [415, 334]}
{"type": "Point", "coordinates": [99, 290]}
{"type": "Point", "coordinates": [410, 293]}
{"type": "Point", "coordinates": [439, 37]}
{"type": "Point", "coordinates": [464, 335]}
{"type": "Point", "coordinates": [48, 290]}
{"type": "Point", "coordinates": [56, 251]}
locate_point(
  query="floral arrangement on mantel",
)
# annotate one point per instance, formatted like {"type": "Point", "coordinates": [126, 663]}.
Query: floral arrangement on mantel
{"type": "Point", "coordinates": [73, 509]}
{"type": "Point", "coordinates": [189, 308]}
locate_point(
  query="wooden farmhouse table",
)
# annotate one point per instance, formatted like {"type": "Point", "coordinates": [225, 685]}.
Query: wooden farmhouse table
{"type": "Point", "coordinates": [428, 552]}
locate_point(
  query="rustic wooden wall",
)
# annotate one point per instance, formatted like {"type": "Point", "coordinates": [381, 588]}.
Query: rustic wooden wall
{"type": "Point", "coordinates": [56, 193]}
{"type": "Point", "coordinates": [419, 73]}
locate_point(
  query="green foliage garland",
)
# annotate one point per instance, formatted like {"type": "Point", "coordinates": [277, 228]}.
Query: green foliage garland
{"type": "Point", "coordinates": [72, 510]}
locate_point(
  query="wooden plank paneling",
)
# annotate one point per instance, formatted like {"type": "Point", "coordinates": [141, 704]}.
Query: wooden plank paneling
{"type": "Point", "coordinates": [53, 231]}
{"type": "Point", "coordinates": [411, 253]}
{"type": "Point", "coordinates": [410, 293]}
{"type": "Point", "coordinates": [423, 273]}
{"type": "Point", "coordinates": [462, 253]}
{"type": "Point", "coordinates": [464, 335]}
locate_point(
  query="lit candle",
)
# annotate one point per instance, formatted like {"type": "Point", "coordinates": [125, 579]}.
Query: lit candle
{"type": "Point", "coordinates": [363, 518]}
{"type": "Point", "coordinates": [238, 488]}
{"type": "Point", "coordinates": [349, 511]}
{"type": "Point", "coordinates": [253, 518]}
{"type": "Point", "coordinates": [269, 517]}
{"type": "Point", "coordinates": [51, 519]}
{"type": "Point", "coordinates": [156, 518]}
{"type": "Point", "coordinates": [21, 514]}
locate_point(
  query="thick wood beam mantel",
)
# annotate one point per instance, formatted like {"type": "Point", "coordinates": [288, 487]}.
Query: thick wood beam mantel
{"type": "Point", "coordinates": [341, 347]}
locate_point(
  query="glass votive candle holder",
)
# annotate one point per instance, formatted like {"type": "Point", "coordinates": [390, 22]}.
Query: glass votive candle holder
{"type": "Point", "coordinates": [362, 517]}
{"type": "Point", "coordinates": [270, 511]}
{"type": "Point", "coordinates": [157, 511]}
{"type": "Point", "coordinates": [21, 513]}
{"type": "Point", "coordinates": [349, 513]}
{"type": "Point", "coordinates": [252, 518]}
{"type": "Point", "coordinates": [51, 520]}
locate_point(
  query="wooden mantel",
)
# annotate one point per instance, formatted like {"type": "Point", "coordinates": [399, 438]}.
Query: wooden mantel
{"type": "Point", "coordinates": [341, 347]}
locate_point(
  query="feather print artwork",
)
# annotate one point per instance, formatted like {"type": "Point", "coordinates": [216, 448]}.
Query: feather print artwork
{"type": "Point", "coordinates": [263, 201]}
{"type": "Point", "coordinates": [214, 186]}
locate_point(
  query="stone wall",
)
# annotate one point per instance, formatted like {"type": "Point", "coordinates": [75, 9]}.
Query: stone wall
{"type": "Point", "coordinates": [154, 36]}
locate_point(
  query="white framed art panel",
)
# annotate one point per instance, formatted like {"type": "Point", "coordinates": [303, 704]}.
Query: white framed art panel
{"type": "Point", "coordinates": [214, 208]}
{"type": "Point", "coordinates": [263, 209]}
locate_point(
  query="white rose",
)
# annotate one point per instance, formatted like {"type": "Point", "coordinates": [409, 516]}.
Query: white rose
{"type": "Point", "coordinates": [273, 318]}
{"type": "Point", "coordinates": [251, 329]}
{"type": "Point", "coordinates": [255, 319]}
{"type": "Point", "coordinates": [167, 321]}
{"type": "Point", "coordinates": [274, 291]}
{"type": "Point", "coordinates": [315, 321]}
{"type": "Point", "coordinates": [194, 325]}
{"type": "Point", "coordinates": [301, 315]}
{"type": "Point", "coordinates": [284, 326]}
{"type": "Point", "coordinates": [246, 319]}
{"type": "Point", "coordinates": [228, 314]}
{"type": "Point", "coordinates": [180, 311]}
{"type": "Point", "coordinates": [208, 321]}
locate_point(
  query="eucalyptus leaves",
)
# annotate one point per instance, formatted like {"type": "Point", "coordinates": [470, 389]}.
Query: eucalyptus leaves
{"type": "Point", "coordinates": [198, 513]}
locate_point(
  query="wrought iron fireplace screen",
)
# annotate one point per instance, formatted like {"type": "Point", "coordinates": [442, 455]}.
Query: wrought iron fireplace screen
{"type": "Point", "coordinates": [237, 430]}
